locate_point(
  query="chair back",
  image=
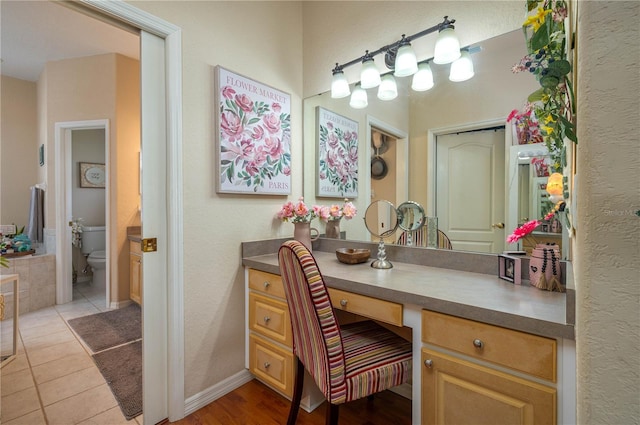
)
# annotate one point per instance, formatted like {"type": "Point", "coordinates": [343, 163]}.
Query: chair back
{"type": "Point", "coordinates": [419, 238]}
{"type": "Point", "coordinates": [316, 334]}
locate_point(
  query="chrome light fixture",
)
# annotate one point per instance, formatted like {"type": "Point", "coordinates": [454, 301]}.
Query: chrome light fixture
{"type": "Point", "coordinates": [339, 84]}
{"type": "Point", "coordinates": [369, 76]}
{"type": "Point", "coordinates": [423, 79]}
{"type": "Point", "coordinates": [388, 89]}
{"type": "Point", "coordinates": [461, 68]}
{"type": "Point", "coordinates": [358, 98]}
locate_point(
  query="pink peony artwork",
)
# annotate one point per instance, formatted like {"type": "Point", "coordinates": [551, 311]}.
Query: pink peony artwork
{"type": "Point", "coordinates": [253, 124]}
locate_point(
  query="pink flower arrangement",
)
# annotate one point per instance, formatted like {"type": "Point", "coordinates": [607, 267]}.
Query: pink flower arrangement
{"type": "Point", "coordinates": [347, 210]}
{"type": "Point", "coordinates": [299, 212]}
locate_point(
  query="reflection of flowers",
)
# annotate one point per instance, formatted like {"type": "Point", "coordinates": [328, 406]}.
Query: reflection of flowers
{"type": "Point", "coordinates": [347, 210]}
{"type": "Point", "coordinates": [255, 140]}
{"type": "Point", "coordinates": [300, 213]}
{"type": "Point", "coordinates": [339, 158]}
{"type": "Point", "coordinates": [527, 127]}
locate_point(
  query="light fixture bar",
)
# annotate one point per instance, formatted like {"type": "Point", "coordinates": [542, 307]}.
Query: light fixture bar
{"type": "Point", "coordinates": [446, 23]}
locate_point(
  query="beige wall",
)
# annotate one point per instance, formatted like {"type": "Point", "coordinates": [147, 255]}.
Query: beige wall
{"type": "Point", "coordinates": [18, 149]}
{"type": "Point", "coordinates": [125, 170]}
{"type": "Point", "coordinates": [96, 88]}
{"type": "Point", "coordinates": [607, 254]}
{"type": "Point", "coordinates": [261, 40]}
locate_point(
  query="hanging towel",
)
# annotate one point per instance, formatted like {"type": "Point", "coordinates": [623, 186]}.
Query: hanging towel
{"type": "Point", "coordinates": [36, 216]}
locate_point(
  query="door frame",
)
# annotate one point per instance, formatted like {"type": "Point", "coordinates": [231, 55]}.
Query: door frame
{"type": "Point", "coordinates": [433, 133]}
{"type": "Point", "coordinates": [174, 290]}
{"type": "Point", "coordinates": [64, 208]}
{"type": "Point", "coordinates": [402, 156]}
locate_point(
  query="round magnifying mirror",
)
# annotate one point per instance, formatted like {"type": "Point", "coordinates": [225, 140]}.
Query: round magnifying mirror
{"type": "Point", "coordinates": [411, 216]}
{"type": "Point", "coordinates": [381, 219]}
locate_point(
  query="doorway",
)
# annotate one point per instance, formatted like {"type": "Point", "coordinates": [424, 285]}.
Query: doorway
{"type": "Point", "coordinates": [161, 206]}
{"type": "Point", "coordinates": [467, 186]}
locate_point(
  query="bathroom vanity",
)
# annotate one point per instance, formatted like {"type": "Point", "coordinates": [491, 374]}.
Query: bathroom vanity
{"type": "Point", "coordinates": [482, 346]}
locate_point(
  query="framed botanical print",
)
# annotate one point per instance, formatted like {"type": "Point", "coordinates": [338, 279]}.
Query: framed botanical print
{"type": "Point", "coordinates": [337, 160]}
{"type": "Point", "coordinates": [253, 136]}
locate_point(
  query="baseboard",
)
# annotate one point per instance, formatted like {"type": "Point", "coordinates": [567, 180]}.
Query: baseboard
{"type": "Point", "coordinates": [119, 304]}
{"type": "Point", "coordinates": [205, 397]}
{"type": "Point", "coordinates": [403, 390]}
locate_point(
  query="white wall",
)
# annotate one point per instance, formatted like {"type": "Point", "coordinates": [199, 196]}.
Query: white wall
{"type": "Point", "coordinates": [607, 254]}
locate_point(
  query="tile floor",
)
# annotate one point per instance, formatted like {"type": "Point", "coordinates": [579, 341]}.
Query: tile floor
{"type": "Point", "coordinates": [53, 379]}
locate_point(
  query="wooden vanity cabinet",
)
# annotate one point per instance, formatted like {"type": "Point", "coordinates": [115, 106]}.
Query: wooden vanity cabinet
{"type": "Point", "coordinates": [484, 374]}
{"type": "Point", "coordinates": [135, 272]}
{"type": "Point", "coordinates": [269, 326]}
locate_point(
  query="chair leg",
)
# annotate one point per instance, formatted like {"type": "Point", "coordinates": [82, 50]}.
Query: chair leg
{"type": "Point", "coordinates": [297, 393]}
{"type": "Point", "coordinates": [332, 414]}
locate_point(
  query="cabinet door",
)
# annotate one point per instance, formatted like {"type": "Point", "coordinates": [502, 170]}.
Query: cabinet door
{"type": "Point", "coordinates": [135, 271]}
{"type": "Point", "coordinates": [455, 391]}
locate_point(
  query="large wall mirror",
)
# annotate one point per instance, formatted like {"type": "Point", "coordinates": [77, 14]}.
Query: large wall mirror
{"type": "Point", "coordinates": [427, 131]}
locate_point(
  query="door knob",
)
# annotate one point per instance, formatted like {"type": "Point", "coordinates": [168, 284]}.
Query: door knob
{"type": "Point", "coordinates": [498, 225]}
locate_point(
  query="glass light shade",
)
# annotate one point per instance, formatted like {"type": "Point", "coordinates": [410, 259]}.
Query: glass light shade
{"type": "Point", "coordinates": [406, 62]}
{"type": "Point", "coordinates": [554, 184]}
{"type": "Point", "coordinates": [461, 69]}
{"type": "Point", "coordinates": [387, 89]}
{"type": "Point", "coordinates": [339, 86]}
{"type": "Point", "coordinates": [369, 76]}
{"type": "Point", "coordinates": [358, 98]}
{"type": "Point", "coordinates": [423, 79]}
{"type": "Point", "coordinates": [447, 47]}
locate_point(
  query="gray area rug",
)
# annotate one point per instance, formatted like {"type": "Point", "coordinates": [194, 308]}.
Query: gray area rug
{"type": "Point", "coordinates": [103, 330]}
{"type": "Point", "coordinates": [122, 369]}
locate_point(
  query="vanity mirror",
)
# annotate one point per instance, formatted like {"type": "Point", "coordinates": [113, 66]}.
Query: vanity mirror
{"type": "Point", "coordinates": [418, 120]}
{"type": "Point", "coordinates": [381, 220]}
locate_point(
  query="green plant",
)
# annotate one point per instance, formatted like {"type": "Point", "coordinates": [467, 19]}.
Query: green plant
{"type": "Point", "coordinates": [553, 103]}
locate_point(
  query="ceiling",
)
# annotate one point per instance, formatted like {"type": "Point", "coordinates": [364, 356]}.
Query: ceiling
{"type": "Point", "coordinates": [35, 32]}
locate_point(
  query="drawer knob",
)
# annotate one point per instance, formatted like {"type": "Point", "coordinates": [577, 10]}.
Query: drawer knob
{"type": "Point", "coordinates": [478, 343]}
{"type": "Point", "coordinates": [266, 319]}
{"type": "Point", "coordinates": [428, 363]}
{"type": "Point", "coordinates": [266, 365]}
{"type": "Point", "coordinates": [343, 303]}
{"type": "Point", "coordinates": [266, 284]}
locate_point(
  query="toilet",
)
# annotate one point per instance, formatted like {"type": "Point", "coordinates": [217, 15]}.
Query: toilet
{"type": "Point", "coordinates": [93, 247]}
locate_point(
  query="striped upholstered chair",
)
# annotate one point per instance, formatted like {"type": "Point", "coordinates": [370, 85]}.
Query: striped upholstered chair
{"type": "Point", "coordinates": [347, 362]}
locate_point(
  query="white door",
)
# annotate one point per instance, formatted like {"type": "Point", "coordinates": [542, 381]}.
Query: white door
{"type": "Point", "coordinates": [470, 189]}
{"type": "Point", "coordinates": [154, 225]}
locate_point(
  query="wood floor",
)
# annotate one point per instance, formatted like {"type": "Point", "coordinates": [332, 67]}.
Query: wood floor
{"type": "Point", "coordinates": [256, 404]}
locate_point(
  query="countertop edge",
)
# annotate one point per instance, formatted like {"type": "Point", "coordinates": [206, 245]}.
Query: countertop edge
{"type": "Point", "coordinates": [484, 315]}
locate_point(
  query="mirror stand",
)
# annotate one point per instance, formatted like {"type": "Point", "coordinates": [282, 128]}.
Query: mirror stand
{"type": "Point", "coordinates": [381, 262]}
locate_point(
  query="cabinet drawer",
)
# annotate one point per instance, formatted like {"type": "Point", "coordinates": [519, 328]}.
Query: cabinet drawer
{"type": "Point", "coordinates": [271, 364]}
{"type": "Point", "coordinates": [135, 248]}
{"type": "Point", "coordinates": [270, 318]}
{"type": "Point", "coordinates": [521, 351]}
{"type": "Point", "coordinates": [266, 283]}
{"type": "Point", "coordinates": [385, 311]}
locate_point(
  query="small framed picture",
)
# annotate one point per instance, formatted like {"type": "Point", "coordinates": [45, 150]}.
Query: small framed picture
{"type": "Point", "coordinates": [92, 175]}
{"type": "Point", "coordinates": [509, 268]}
